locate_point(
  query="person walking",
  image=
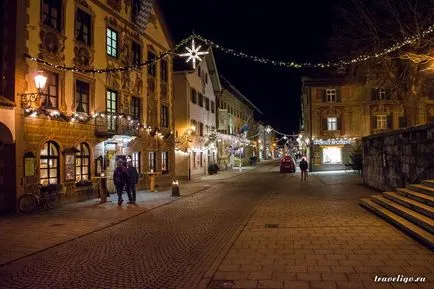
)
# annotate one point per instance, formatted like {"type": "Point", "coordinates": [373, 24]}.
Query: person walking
{"type": "Point", "coordinates": [120, 180]}
{"type": "Point", "coordinates": [303, 167]}
{"type": "Point", "coordinates": [132, 180]}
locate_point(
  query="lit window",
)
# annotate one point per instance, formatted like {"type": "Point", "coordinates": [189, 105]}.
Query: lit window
{"type": "Point", "coordinates": [332, 123]}
{"type": "Point", "coordinates": [331, 95]}
{"type": "Point", "coordinates": [381, 121]}
{"type": "Point", "coordinates": [82, 163]}
{"type": "Point", "coordinates": [152, 163]}
{"type": "Point", "coordinates": [112, 43]}
{"type": "Point", "coordinates": [111, 108]}
{"type": "Point", "coordinates": [49, 164]}
{"type": "Point", "coordinates": [164, 162]}
{"type": "Point", "coordinates": [332, 155]}
{"type": "Point", "coordinates": [135, 160]}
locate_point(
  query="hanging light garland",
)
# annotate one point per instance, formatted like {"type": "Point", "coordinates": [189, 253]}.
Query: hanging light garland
{"type": "Point", "coordinates": [194, 53]}
{"type": "Point", "coordinates": [114, 69]}
{"type": "Point", "coordinates": [338, 63]}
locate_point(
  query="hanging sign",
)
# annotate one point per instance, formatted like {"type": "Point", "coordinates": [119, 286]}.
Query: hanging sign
{"type": "Point", "coordinates": [331, 141]}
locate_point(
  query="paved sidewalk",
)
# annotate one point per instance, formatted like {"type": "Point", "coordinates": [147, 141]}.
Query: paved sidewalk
{"type": "Point", "coordinates": [23, 235]}
{"type": "Point", "coordinates": [315, 235]}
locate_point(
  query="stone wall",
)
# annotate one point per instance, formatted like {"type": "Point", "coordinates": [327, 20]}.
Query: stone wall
{"type": "Point", "coordinates": [399, 158]}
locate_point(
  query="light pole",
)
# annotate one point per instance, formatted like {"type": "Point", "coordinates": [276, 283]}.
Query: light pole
{"type": "Point", "coordinates": [27, 99]}
{"type": "Point", "coordinates": [268, 129]}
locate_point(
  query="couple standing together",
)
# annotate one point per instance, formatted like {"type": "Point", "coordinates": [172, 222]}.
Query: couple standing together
{"type": "Point", "coordinates": [126, 177]}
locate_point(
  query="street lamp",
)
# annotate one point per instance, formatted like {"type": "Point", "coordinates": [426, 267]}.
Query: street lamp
{"type": "Point", "coordinates": [28, 98]}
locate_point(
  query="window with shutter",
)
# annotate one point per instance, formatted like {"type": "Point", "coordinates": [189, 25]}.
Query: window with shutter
{"type": "Point", "coordinates": [402, 121]}
{"type": "Point", "coordinates": [389, 122]}
{"type": "Point", "coordinates": [373, 122]}
{"type": "Point", "coordinates": [323, 95]}
{"type": "Point", "coordinates": [388, 93]}
{"type": "Point", "coordinates": [324, 124]}
{"type": "Point", "coordinates": [374, 95]}
{"type": "Point", "coordinates": [338, 95]}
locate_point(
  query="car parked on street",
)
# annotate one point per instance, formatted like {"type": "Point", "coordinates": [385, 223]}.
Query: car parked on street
{"type": "Point", "coordinates": [287, 164]}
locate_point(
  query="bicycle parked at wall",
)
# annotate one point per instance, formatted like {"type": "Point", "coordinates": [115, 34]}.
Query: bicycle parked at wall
{"type": "Point", "coordinates": [38, 196]}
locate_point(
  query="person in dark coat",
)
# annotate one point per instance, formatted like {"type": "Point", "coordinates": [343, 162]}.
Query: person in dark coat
{"type": "Point", "coordinates": [132, 180]}
{"type": "Point", "coordinates": [303, 167]}
{"type": "Point", "coordinates": [120, 180]}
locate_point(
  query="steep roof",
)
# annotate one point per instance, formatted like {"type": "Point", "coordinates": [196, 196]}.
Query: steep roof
{"type": "Point", "coordinates": [228, 86]}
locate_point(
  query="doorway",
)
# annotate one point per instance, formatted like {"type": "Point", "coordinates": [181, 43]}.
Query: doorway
{"type": "Point", "coordinates": [7, 171]}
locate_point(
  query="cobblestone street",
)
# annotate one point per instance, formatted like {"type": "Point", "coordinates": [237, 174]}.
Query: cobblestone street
{"type": "Point", "coordinates": [259, 229]}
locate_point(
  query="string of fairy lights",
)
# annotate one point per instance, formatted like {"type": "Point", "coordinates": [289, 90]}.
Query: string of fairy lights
{"type": "Point", "coordinates": [193, 56]}
{"type": "Point", "coordinates": [338, 63]}
{"type": "Point", "coordinates": [113, 69]}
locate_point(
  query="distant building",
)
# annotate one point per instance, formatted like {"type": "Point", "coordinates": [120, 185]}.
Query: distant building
{"type": "Point", "coordinates": [236, 126]}
{"type": "Point", "coordinates": [337, 113]}
{"type": "Point", "coordinates": [195, 116]}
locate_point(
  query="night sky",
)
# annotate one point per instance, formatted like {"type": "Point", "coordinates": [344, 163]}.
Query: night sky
{"type": "Point", "coordinates": [281, 30]}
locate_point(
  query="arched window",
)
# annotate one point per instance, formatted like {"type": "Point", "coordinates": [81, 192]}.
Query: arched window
{"type": "Point", "coordinates": [82, 163]}
{"type": "Point", "coordinates": [49, 164]}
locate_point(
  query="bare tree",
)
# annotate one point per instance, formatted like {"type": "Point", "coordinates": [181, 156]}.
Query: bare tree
{"type": "Point", "coordinates": [369, 26]}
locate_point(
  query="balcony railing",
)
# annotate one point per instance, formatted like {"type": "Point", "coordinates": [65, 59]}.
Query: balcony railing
{"type": "Point", "coordinates": [110, 125]}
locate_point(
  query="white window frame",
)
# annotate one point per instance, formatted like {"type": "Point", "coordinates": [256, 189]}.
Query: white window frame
{"type": "Point", "coordinates": [332, 123]}
{"type": "Point", "coordinates": [135, 160]}
{"type": "Point", "coordinates": [382, 121]}
{"type": "Point", "coordinates": [331, 94]}
{"type": "Point", "coordinates": [381, 93]}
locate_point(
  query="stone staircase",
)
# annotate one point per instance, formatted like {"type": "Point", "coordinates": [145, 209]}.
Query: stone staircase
{"type": "Point", "coordinates": [410, 209]}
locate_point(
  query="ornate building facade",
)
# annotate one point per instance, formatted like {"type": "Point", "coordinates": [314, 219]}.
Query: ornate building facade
{"type": "Point", "coordinates": [337, 113]}
{"type": "Point", "coordinates": [91, 114]}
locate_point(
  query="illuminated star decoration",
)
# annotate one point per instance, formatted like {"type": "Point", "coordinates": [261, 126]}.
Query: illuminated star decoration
{"type": "Point", "coordinates": [268, 129]}
{"type": "Point", "coordinates": [193, 53]}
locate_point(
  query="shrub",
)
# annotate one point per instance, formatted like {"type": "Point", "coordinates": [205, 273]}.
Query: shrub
{"type": "Point", "coordinates": [211, 169]}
